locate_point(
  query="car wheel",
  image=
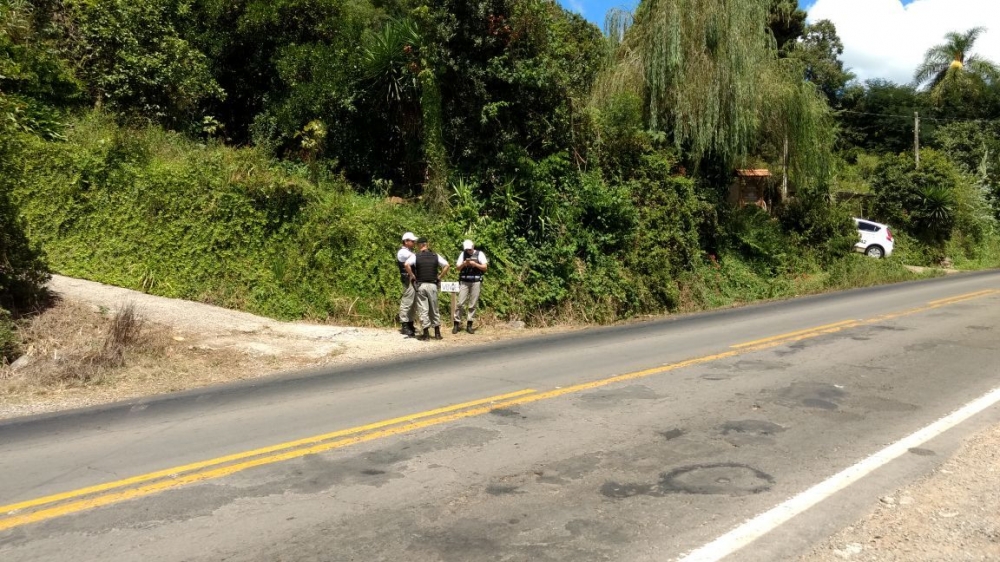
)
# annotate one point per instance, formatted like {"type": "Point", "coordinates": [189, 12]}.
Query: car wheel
{"type": "Point", "coordinates": [875, 252]}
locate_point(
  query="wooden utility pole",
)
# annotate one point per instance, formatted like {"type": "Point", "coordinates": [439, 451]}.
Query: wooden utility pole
{"type": "Point", "coordinates": [784, 172]}
{"type": "Point", "coordinates": [916, 137]}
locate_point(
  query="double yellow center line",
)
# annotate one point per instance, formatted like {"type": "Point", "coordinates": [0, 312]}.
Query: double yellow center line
{"type": "Point", "coordinates": [75, 501]}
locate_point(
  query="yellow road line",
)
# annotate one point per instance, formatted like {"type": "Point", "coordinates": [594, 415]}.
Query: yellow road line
{"type": "Point", "coordinates": [221, 471]}
{"type": "Point", "coordinates": [837, 326]}
{"type": "Point", "coordinates": [173, 478]}
{"type": "Point", "coordinates": [807, 335]}
{"type": "Point", "coordinates": [175, 471]}
{"type": "Point", "coordinates": [892, 315]}
{"type": "Point", "coordinates": [966, 296]}
{"type": "Point", "coordinates": [791, 334]}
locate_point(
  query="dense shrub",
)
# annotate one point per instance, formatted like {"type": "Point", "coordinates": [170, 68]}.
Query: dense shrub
{"type": "Point", "coordinates": [856, 270]}
{"type": "Point", "coordinates": [921, 201]}
{"type": "Point", "coordinates": [816, 223]}
{"type": "Point", "coordinates": [8, 338]}
{"type": "Point", "coordinates": [22, 266]}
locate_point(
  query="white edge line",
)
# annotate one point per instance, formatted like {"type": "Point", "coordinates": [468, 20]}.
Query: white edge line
{"type": "Point", "coordinates": [764, 523]}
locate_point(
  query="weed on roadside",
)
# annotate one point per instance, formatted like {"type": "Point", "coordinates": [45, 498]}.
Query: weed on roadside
{"type": "Point", "coordinates": [72, 344]}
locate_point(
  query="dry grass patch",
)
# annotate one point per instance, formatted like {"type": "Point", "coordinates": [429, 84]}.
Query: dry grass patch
{"type": "Point", "coordinates": [70, 344]}
{"type": "Point", "coordinates": [78, 355]}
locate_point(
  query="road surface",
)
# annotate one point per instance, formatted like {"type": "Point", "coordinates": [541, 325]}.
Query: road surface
{"type": "Point", "coordinates": [749, 434]}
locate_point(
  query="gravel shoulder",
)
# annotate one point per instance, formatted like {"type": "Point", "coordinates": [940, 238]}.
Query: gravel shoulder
{"type": "Point", "coordinates": [950, 515]}
{"type": "Point", "coordinates": [214, 328]}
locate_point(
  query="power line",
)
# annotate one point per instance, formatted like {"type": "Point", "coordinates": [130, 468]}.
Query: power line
{"type": "Point", "coordinates": [910, 117]}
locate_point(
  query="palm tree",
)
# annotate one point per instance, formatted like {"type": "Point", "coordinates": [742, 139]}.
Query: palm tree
{"type": "Point", "coordinates": [953, 63]}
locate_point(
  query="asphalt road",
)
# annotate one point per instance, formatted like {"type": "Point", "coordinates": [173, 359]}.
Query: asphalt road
{"type": "Point", "coordinates": [632, 443]}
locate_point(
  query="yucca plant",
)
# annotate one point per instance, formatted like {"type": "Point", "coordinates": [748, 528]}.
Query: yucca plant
{"type": "Point", "coordinates": [393, 64]}
{"type": "Point", "coordinates": [935, 213]}
{"type": "Point", "coordinates": [390, 59]}
{"type": "Point", "coordinates": [936, 203]}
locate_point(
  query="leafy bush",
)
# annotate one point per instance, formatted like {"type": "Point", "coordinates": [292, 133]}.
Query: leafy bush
{"type": "Point", "coordinates": [969, 252]}
{"type": "Point", "coordinates": [756, 236]}
{"type": "Point", "coordinates": [9, 342]}
{"type": "Point", "coordinates": [133, 57]}
{"type": "Point", "coordinates": [920, 201]}
{"type": "Point", "coordinates": [23, 271]}
{"type": "Point", "coordinates": [819, 224]}
{"type": "Point", "coordinates": [154, 211]}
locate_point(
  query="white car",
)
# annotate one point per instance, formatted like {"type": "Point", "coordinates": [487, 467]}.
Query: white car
{"type": "Point", "coordinates": [875, 238]}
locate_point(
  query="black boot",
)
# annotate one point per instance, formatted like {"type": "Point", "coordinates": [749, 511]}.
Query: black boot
{"type": "Point", "coordinates": [469, 328]}
{"type": "Point", "coordinates": [425, 336]}
{"type": "Point", "coordinates": [437, 333]}
{"type": "Point", "coordinates": [457, 328]}
{"type": "Point", "coordinates": [408, 329]}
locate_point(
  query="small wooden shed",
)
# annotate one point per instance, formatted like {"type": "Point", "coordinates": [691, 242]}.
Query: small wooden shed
{"type": "Point", "coordinates": [750, 187]}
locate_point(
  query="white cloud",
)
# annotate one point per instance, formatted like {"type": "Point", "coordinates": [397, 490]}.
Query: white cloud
{"type": "Point", "coordinates": [885, 39]}
{"type": "Point", "coordinates": [575, 6]}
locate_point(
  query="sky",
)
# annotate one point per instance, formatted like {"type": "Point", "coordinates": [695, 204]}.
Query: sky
{"type": "Point", "coordinates": [882, 38]}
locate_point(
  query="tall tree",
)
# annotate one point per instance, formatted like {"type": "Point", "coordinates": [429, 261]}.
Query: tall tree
{"type": "Point", "coordinates": [698, 64]}
{"type": "Point", "coordinates": [397, 68]}
{"type": "Point", "coordinates": [282, 63]}
{"type": "Point", "coordinates": [787, 24]}
{"type": "Point", "coordinates": [133, 58]}
{"type": "Point", "coordinates": [819, 49]}
{"type": "Point", "coordinates": [878, 116]}
{"type": "Point", "coordinates": [952, 64]}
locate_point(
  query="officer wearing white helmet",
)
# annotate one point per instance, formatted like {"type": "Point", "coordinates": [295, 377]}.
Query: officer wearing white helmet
{"type": "Point", "coordinates": [471, 264]}
{"type": "Point", "coordinates": [407, 303]}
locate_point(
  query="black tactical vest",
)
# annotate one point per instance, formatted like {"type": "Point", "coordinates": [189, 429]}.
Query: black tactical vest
{"type": "Point", "coordinates": [470, 274]}
{"type": "Point", "coordinates": [426, 268]}
{"type": "Point", "coordinates": [403, 275]}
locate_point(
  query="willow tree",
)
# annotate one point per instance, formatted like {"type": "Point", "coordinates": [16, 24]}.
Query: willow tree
{"type": "Point", "coordinates": [711, 78]}
{"type": "Point", "coordinates": [796, 120]}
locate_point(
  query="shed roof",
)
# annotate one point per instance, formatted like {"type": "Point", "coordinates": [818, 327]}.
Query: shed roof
{"type": "Point", "coordinates": [757, 173]}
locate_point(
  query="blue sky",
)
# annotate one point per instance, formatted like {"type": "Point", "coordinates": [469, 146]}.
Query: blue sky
{"type": "Point", "coordinates": [594, 10]}
{"type": "Point", "coordinates": [882, 38]}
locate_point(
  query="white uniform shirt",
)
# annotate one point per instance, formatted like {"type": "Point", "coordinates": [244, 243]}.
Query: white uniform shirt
{"type": "Point", "coordinates": [461, 258]}
{"type": "Point", "coordinates": [412, 260]}
{"type": "Point", "coordinates": [403, 254]}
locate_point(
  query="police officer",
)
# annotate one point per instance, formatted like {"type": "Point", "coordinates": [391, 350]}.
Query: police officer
{"type": "Point", "coordinates": [407, 303]}
{"type": "Point", "coordinates": [471, 264]}
{"type": "Point", "coordinates": [426, 270]}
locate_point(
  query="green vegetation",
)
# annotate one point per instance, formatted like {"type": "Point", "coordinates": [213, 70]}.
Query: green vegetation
{"type": "Point", "coordinates": [266, 155]}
